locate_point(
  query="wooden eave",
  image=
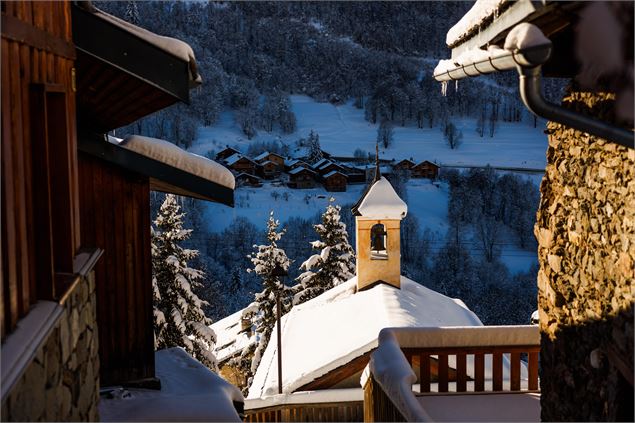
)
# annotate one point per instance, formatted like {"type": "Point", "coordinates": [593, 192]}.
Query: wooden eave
{"type": "Point", "coordinates": [120, 77]}
{"type": "Point", "coordinates": [163, 177]}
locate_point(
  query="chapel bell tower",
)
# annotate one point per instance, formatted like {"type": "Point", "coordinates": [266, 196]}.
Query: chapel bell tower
{"type": "Point", "coordinates": [378, 215]}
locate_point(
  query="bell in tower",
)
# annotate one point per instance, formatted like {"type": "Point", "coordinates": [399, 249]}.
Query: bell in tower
{"type": "Point", "coordinates": [378, 241]}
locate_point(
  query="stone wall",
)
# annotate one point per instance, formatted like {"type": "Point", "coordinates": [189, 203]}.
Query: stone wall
{"type": "Point", "coordinates": [586, 234]}
{"type": "Point", "coordinates": [62, 382]}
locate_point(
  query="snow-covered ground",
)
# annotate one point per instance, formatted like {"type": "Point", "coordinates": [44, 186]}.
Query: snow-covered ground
{"type": "Point", "coordinates": [342, 130]}
{"type": "Point", "coordinates": [427, 201]}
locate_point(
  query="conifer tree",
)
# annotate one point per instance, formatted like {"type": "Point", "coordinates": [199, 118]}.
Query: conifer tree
{"type": "Point", "coordinates": [315, 150]}
{"type": "Point", "coordinates": [333, 265]}
{"type": "Point", "coordinates": [263, 311]}
{"type": "Point", "coordinates": [179, 320]}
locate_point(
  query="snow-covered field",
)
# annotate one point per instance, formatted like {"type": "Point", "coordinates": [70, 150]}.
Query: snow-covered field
{"type": "Point", "coordinates": [342, 130]}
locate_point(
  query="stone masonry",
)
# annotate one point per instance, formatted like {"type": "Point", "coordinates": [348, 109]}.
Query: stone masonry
{"type": "Point", "coordinates": [586, 234]}
{"type": "Point", "coordinates": [62, 382]}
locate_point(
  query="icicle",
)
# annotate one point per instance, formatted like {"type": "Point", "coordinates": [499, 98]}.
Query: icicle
{"type": "Point", "coordinates": [456, 85]}
{"type": "Point", "coordinates": [444, 88]}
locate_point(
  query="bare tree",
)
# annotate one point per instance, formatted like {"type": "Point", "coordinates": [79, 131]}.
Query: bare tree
{"type": "Point", "coordinates": [453, 136]}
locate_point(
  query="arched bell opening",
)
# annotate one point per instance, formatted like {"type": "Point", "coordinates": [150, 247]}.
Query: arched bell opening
{"type": "Point", "coordinates": [378, 242]}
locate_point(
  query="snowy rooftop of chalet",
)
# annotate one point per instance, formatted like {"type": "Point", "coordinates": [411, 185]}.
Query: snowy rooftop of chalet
{"type": "Point", "coordinates": [265, 155]}
{"type": "Point", "coordinates": [321, 163]}
{"type": "Point", "coordinates": [234, 158]}
{"type": "Point", "coordinates": [300, 169]}
{"type": "Point", "coordinates": [170, 45]}
{"type": "Point", "coordinates": [333, 172]}
{"type": "Point", "coordinates": [382, 202]}
{"type": "Point", "coordinates": [189, 392]}
{"type": "Point", "coordinates": [170, 154]}
{"type": "Point", "coordinates": [230, 338]}
{"type": "Point", "coordinates": [334, 328]}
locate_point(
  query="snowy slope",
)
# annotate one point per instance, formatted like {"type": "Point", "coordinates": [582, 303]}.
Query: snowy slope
{"type": "Point", "coordinates": [342, 130]}
{"type": "Point", "coordinates": [344, 325]}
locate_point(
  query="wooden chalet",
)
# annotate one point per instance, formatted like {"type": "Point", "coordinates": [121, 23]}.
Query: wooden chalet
{"type": "Point", "coordinates": [247, 180]}
{"type": "Point", "coordinates": [302, 178]}
{"type": "Point", "coordinates": [225, 153]}
{"type": "Point", "coordinates": [241, 164]}
{"type": "Point", "coordinates": [354, 175]}
{"type": "Point", "coordinates": [267, 169]}
{"type": "Point", "coordinates": [335, 181]}
{"type": "Point", "coordinates": [76, 271]}
{"type": "Point", "coordinates": [275, 158]}
{"type": "Point", "coordinates": [404, 164]}
{"type": "Point", "coordinates": [425, 169]}
{"type": "Point", "coordinates": [328, 167]}
{"type": "Point", "coordinates": [292, 164]}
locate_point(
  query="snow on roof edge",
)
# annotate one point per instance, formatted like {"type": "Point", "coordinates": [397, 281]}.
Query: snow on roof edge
{"type": "Point", "coordinates": [478, 13]}
{"type": "Point", "coordinates": [168, 153]}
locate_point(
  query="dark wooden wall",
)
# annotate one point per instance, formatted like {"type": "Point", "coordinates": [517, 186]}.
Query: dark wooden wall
{"type": "Point", "coordinates": [37, 62]}
{"type": "Point", "coordinates": [116, 217]}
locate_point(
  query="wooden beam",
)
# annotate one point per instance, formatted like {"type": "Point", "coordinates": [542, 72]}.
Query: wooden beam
{"type": "Point", "coordinates": [16, 30]}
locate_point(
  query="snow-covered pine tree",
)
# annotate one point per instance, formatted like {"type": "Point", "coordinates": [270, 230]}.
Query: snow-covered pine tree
{"type": "Point", "coordinates": [333, 265]}
{"type": "Point", "coordinates": [178, 317]}
{"type": "Point", "coordinates": [315, 150]}
{"type": "Point", "coordinates": [267, 258]}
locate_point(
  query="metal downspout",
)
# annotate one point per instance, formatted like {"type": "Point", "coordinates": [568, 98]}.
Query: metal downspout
{"type": "Point", "coordinates": [531, 95]}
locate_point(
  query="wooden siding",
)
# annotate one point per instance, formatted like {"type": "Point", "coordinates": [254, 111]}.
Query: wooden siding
{"type": "Point", "coordinates": [335, 183]}
{"type": "Point", "coordinates": [352, 411]}
{"type": "Point", "coordinates": [116, 217]}
{"type": "Point", "coordinates": [37, 52]}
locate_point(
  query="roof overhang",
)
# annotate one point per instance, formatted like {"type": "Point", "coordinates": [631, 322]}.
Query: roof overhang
{"type": "Point", "coordinates": [121, 77]}
{"type": "Point", "coordinates": [163, 177]}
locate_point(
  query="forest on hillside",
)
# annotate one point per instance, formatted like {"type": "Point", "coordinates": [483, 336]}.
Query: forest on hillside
{"type": "Point", "coordinates": [253, 55]}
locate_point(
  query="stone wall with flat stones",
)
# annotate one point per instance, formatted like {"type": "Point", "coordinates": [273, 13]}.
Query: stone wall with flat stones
{"type": "Point", "coordinates": [62, 382]}
{"type": "Point", "coordinates": [586, 235]}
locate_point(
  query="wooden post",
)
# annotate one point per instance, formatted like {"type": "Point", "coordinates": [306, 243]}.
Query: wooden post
{"type": "Point", "coordinates": [279, 332]}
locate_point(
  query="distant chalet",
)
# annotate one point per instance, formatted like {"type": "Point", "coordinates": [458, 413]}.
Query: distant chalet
{"type": "Point", "coordinates": [334, 174]}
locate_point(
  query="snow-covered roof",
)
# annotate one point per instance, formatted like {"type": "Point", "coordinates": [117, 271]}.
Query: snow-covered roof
{"type": "Point", "coordinates": [265, 155]}
{"type": "Point", "coordinates": [189, 392]}
{"type": "Point", "coordinates": [333, 172]}
{"type": "Point", "coordinates": [300, 169]}
{"type": "Point", "coordinates": [481, 11]}
{"type": "Point", "coordinates": [320, 163]}
{"type": "Point", "coordinates": [234, 158]}
{"type": "Point", "coordinates": [268, 162]}
{"type": "Point", "coordinates": [172, 46]}
{"type": "Point", "coordinates": [334, 328]}
{"type": "Point", "coordinates": [170, 154]}
{"type": "Point", "coordinates": [230, 338]}
{"type": "Point", "coordinates": [382, 202]}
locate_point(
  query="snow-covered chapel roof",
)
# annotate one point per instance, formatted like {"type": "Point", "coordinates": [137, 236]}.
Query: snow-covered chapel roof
{"type": "Point", "coordinates": [381, 202]}
{"type": "Point", "coordinates": [334, 328]}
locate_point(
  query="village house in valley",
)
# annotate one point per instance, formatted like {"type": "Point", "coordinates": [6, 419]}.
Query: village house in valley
{"type": "Point", "coordinates": [424, 169]}
{"type": "Point", "coordinates": [77, 283]}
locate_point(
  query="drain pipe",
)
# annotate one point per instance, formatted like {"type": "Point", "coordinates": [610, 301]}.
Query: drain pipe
{"type": "Point", "coordinates": [528, 62]}
{"type": "Point", "coordinates": [531, 95]}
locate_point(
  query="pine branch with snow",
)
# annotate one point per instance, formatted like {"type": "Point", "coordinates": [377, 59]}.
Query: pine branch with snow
{"type": "Point", "coordinates": [178, 316]}
{"type": "Point", "coordinates": [335, 262]}
{"type": "Point", "coordinates": [262, 312]}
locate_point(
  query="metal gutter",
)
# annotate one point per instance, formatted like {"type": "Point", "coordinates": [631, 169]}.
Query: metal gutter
{"type": "Point", "coordinates": [528, 62]}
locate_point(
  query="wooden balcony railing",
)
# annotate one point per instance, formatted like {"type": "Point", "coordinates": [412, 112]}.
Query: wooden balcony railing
{"type": "Point", "coordinates": [333, 405]}
{"type": "Point", "coordinates": [411, 363]}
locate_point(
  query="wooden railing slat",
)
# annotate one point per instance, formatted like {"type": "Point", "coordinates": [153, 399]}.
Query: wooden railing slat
{"type": "Point", "coordinates": [514, 378]}
{"type": "Point", "coordinates": [479, 372]}
{"type": "Point", "coordinates": [461, 372]}
{"type": "Point", "coordinates": [497, 371]}
{"type": "Point", "coordinates": [424, 372]}
{"type": "Point", "coordinates": [443, 372]}
{"type": "Point", "coordinates": [533, 371]}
